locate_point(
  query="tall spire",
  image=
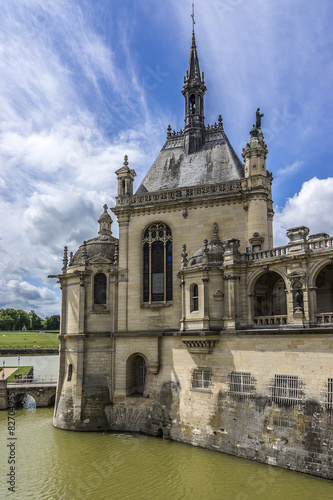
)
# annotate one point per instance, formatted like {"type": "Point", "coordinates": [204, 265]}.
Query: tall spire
{"type": "Point", "coordinates": [193, 67]}
{"type": "Point", "coordinates": [194, 90]}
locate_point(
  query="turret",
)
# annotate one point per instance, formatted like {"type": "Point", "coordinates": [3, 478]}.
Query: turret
{"type": "Point", "coordinates": [260, 206]}
{"type": "Point", "coordinates": [125, 178]}
{"type": "Point", "coordinates": [255, 151]}
{"type": "Point", "coordinates": [194, 90]}
{"type": "Point", "coordinates": [105, 222]}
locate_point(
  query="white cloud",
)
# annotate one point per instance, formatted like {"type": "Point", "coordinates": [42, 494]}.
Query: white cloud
{"type": "Point", "coordinates": [311, 207]}
{"type": "Point", "coordinates": [23, 295]}
{"type": "Point", "coordinates": [289, 169]}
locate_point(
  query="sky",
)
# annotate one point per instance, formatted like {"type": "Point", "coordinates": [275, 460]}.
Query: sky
{"type": "Point", "coordinates": [82, 83]}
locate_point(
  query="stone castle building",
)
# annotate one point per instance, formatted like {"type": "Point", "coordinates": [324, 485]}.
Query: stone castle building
{"type": "Point", "coordinates": [192, 326]}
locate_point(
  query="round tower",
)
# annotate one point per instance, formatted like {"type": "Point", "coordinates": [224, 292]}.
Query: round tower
{"type": "Point", "coordinates": [259, 180]}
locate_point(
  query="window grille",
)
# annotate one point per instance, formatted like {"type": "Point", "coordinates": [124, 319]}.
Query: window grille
{"type": "Point", "coordinates": [201, 378]}
{"type": "Point", "coordinates": [329, 400]}
{"type": "Point", "coordinates": [287, 390]}
{"type": "Point", "coordinates": [241, 384]}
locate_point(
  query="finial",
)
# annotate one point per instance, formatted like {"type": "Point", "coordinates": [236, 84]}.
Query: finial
{"type": "Point", "coordinates": [116, 254]}
{"type": "Point", "coordinates": [215, 231]}
{"type": "Point", "coordinates": [220, 121]}
{"type": "Point", "coordinates": [105, 208]}
{"type": "Point", "coordinates": [65, 259]}
{"type": "Point", "coordinates": [84, 253]}
{"type": "Point", "coordinates": [71, 258]}
{"type": "Point", "coordinates": [205, 252]}
{"type": "Point", "coordinates": [184, 261]}
{"type": "Point", "coordinates": [125, 161]}
{"type": "Point", "coordinates": [169, 130]}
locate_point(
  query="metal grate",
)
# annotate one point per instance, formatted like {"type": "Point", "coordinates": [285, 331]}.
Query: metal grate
{"type": "Point", "coordinates": [241, 384]}
{"type": "Point", "coordinates": [329, 400]}
{"type": "Point", "coordinates": [201, 378]}
{"type": "Point", "coordinates": [287, 390]}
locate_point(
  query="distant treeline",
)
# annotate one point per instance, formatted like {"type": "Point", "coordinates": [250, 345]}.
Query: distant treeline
{"type": "Point", "coordinates": [16, 319]}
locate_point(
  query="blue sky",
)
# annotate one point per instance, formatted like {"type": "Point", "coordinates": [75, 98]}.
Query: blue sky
{"type": "Point", "coordinates": [82, 83]}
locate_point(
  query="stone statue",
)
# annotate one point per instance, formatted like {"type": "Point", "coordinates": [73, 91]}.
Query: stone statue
{"type": "Point", "coordinates": [299, 298]}
{"type": "Point", "coordinates": [258, 118]}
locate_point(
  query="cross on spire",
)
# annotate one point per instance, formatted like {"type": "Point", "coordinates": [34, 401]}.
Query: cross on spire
{"type": "Point", "coordinates": [192, 15]}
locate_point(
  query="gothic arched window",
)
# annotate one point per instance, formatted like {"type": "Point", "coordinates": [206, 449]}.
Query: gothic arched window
{"type": "Point", "coordinates": [100, 289]}
{"type": "Point", "coordinates": [157, 263]}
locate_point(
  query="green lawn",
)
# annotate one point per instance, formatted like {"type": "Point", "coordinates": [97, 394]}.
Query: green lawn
{"type": "Point", "coordinates": [23, 371]}
{"type": "Point", "coordinates": [29, 339]}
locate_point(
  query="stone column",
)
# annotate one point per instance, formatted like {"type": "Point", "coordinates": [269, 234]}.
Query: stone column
{"type": "Point", "coordinates": [183, 294]}
{"type": "Point", "coordinates": [63, 310]}
{"type": "Point", "coordinates": [82, 304]}
{"type": "Point", "coordinates": [230, 310]}
{"type": "Point", "coordinates": [123, 222]}
{"type": "Point", "coordinates": [312, 297]}
{"type": "Point", "coordinates": [205, 319]}
{"type": "Point", "coordinates": [79, 380]}
{"type": "Point", "coordinates": [3, 395]}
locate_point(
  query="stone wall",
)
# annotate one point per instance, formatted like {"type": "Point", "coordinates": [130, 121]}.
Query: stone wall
{"type": "Point", "coordinates": [295, 436]}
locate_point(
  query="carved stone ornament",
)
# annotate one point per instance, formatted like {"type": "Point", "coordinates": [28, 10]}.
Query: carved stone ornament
{"type": "Point", "coordinates": [200, 346]}
{"type": "Point", "coordinates": [297, 234]}
{"type": "Point", "coordinates": [297, 278]}
{"type": "Point", "coordinates": [122, 275]}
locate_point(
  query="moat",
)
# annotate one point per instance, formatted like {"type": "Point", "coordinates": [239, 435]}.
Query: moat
{"type": "Point", "coordinates": [56, 464]}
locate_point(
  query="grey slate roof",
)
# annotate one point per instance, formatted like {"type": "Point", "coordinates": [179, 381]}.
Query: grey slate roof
{"type": "Point", "coordinates": [215, 162]}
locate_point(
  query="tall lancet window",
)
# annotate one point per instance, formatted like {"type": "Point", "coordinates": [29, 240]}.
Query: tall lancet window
{"type": "Point", "coordinates": [157, 263]}
{"type": "Point", "coordinates": [100, 289]}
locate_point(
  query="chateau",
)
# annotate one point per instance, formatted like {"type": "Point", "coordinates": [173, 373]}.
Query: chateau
{"type": "Point", "coordinates": [193, 326]}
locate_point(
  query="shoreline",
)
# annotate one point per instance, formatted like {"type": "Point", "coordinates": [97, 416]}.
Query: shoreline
{"type": "Point", "coordinates": [28, 351]}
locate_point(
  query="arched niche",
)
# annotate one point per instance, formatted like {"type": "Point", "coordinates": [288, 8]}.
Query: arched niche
{"type": "Point", "coordinates": [269, 295]}
{"type": "Point", "coordinates": [136, 370]}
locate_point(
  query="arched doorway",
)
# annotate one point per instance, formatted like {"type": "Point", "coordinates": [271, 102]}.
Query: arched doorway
{"type": "Point", "coordinates": [269, 300]}
{"type": "Point", "coordinates": [135, 375]}
{"type": "Point", "coordinates": [324, 295]}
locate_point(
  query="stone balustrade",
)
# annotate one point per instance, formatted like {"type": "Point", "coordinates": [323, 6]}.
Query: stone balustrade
{"type": "Point", "coordinates": [180, 194]}
{"type": "Point", "coordinates": [324, 318]}
{"type": "Point", "coordinates": [321, 243]}
{"type": "Point", "coordinates": [277, 320]}
{"type": "Point", "coordinates": [272, 253]}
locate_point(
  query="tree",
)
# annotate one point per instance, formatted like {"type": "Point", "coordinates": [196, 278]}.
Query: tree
{"type": "Point", "coordinates": [53, 322]}
{"type": "Point", "coordinates": [35, 321]}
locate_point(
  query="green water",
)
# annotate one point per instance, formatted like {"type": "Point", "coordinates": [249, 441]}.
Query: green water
{"type": "Point", "coordinates": [56, 464]}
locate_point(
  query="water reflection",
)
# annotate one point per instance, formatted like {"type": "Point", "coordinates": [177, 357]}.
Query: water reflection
{"type": "Point", "coordinates": [59, 465]}
{"type": "Point", "coordinates": [28, 403]}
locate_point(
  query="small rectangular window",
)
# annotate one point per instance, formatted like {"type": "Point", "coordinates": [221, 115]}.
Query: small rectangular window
{"type": "Point", "coordinates": [241, 384]}
{"type": "Point", "coordinates": [287, 390]}
{"type": "Point", "coordinates": [201, 378]}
